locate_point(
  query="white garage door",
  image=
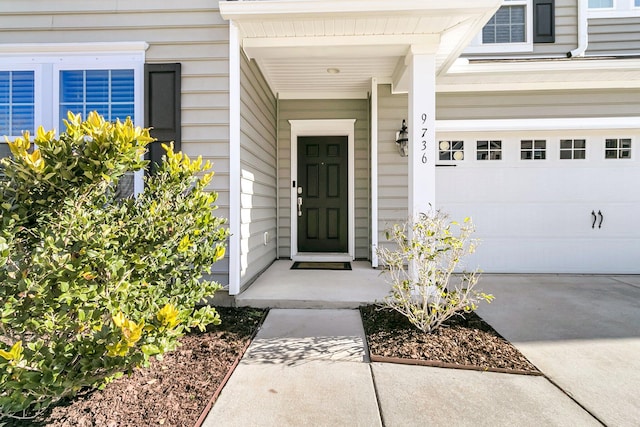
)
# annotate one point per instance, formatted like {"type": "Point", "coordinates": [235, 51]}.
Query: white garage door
{"type": "Point", "coordinates": [546, 203]}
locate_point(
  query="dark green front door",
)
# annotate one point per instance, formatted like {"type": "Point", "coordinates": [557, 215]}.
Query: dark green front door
{"type": "Point", "coordinates": [322, 185]}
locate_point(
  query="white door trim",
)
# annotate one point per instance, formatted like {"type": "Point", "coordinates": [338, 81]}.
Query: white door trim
{"type": "Point", "coordinates": [337, 127]}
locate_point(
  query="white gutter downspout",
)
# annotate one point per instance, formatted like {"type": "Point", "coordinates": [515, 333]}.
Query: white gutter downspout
{"type": "Point", "coordinates": [583, 30]}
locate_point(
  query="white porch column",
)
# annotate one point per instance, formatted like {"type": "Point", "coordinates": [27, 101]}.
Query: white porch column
{"type": "Point", "coordinates": [234, 161]}
{"type": "Point", "coordinates": [374, 172]}
{"type": "Point", "coordinates": [421, 123]}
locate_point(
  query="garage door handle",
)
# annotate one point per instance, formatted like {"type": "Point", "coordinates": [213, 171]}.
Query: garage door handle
{"type": "Point", "coordinates": [601, 219]}
{"type": "Point", "coordinates": [595, 218]}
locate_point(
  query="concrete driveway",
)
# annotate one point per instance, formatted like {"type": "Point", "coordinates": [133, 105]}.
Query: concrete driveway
{"type": "Point", "coordinates": [582, 331]}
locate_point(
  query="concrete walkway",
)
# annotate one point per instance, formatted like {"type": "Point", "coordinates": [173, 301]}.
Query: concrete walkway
{"type": "Point", "coordinates": [308, 367]}
{"type": "Point", "coordinates": [582, 331]}
{"type": "Point", "coordinates": [305, 368]}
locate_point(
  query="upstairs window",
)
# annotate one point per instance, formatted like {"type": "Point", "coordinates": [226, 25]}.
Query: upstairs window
{"type": "Point", "coordinates": [17, 102]}
{"type": "Point", "coordinates": [510, 30]}
{"type": "Point", "coordinates": [600, 4]}
{"type": "Point", "coordinates": [508, 25]}
{"type": "Point", "coordinates": [614, 8]}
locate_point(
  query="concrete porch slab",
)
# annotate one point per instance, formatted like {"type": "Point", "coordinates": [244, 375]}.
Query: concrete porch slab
{"type": "Point", "coordinates": [281, 287]}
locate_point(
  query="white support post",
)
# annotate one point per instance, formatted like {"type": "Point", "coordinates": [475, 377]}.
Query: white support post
{"type": "Point", "coordinates": [422, 138]}
{"type": "Point", "coordinates": [422, 135]}
{"type": "Point", "coordinates": [234, 160]}
{"type": "Point", "coordinates": [374, 172]}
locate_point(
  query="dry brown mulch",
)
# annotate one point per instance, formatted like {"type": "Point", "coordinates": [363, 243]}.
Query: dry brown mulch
{"type": "Point", "coordinates": [464, 342]}
{"type": "Point", "coordinates": [171, 392]}
{"type": "Point", "coordinates": [176, 390]}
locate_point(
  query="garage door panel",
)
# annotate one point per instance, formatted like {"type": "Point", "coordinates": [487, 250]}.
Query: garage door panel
{"type": "Point", "coordinates": [550, 219]}
{"type": "Point", "coordinates": [551, 215]}
{"type": "Point", "coordinates": [589, 255]}
{"type": "Point", "coordinates": [512, 184]}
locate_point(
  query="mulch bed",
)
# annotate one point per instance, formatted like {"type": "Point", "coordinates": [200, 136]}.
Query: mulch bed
{"type": "Point", "coordinates": [462, 342]}
{"type": "Point", "coordinates": [173, 391]}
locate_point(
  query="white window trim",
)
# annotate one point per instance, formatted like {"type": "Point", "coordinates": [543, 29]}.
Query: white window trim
{"type": "Point", "coordinates": [476, 45]}
{"type": "Point", "coordinates": [620, 9]}
{"type": "Point", "coordinates": [49, 58]}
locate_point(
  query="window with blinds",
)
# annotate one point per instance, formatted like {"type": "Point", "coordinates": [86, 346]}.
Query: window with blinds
{"type": "Point", "coordinates": [109, 92]}
{"type": "Point", "coordinates": [17, 104]}
{"type": "Point", "coordinates": [508, 25]}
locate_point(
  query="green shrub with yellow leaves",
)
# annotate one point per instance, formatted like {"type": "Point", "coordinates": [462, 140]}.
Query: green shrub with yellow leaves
{"type": "Point", "coordinates": [93, 285]}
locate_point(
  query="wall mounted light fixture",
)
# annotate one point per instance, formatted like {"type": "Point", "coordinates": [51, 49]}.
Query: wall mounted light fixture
{"type": "Point", "coordinates": [402, 140]}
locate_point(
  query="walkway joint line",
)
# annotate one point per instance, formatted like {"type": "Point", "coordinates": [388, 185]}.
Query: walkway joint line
{"type": "Point", "coordinates": [625, 283]}
{"type": "Point", "coordinates": [375, 390]}
{"type": "Point", "coordinates": [595, 417]}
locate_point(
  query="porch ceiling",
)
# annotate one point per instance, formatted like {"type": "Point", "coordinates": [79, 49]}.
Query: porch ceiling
{"type": "Point", "coordinates": [332, 48]}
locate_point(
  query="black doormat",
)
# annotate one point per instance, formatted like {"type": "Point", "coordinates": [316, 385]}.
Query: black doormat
{"type": "Point", "coordinates": [306, 265]}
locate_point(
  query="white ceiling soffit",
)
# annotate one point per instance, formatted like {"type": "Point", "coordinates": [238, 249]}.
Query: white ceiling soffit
{"type": "Point", "coordinates": [332, 48]}
{"type": "Point", "coordinates": [555, 74]}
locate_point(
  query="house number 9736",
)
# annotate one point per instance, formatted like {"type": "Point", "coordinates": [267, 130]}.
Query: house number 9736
{"type": "Point", "coordinates": [423, 140]}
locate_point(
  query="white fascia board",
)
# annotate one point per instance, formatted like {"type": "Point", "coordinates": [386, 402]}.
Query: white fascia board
{"type": "Point", "coordinates": [547, 124]}
{"type": "Point", "coordinates": [529, 86]}
{"type": "Point", "coordinates": [463, 40]}
{"type": "Point", "coordinates": [460, 67]}
{"type": "Point", "coordinates": [237, 10]}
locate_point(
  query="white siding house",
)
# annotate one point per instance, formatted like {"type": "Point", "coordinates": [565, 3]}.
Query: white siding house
{"type": "Point", "coordinates": [523, 114]}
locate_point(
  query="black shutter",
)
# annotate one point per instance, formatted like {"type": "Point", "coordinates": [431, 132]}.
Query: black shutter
{"type": "Point", "coordinates": [162, 107]}
{"type": "Point", "coordinates": [544, 21]}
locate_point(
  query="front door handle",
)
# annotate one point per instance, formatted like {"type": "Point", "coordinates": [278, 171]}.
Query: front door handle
{"type": "Point", "coordinates": [601, 219]}
{"type": "Point", "coordinates": [595, 218]}
{"type": "Point", "coordinates": [299, 206]}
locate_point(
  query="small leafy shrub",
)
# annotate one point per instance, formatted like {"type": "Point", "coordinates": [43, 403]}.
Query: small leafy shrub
{"type": "Point", "coordinates": [421, 270]}
{"type": "Point", "coordinates": [92, 284]}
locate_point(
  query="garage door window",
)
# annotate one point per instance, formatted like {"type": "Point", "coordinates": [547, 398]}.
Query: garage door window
{"type": "Point", "coordinates": [618, 148]}
{"type": "Point", "coordinates": [489, 150]}
{"type": "Point", "coordinates": [573, 149]}
{"type": "Point", "coordinates": [451, 150]}
{"type": "Point", "coordinates": [531, 149]}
